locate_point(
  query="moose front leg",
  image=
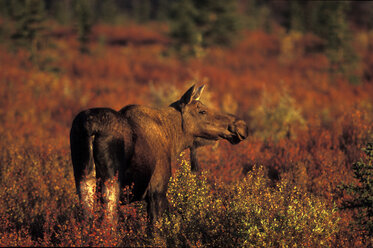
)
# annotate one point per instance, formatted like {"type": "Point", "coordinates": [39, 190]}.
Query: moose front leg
{"type": "Point", "coordinates": [194, 164]}
{"type": "Point", "coordinates": [156, 205]}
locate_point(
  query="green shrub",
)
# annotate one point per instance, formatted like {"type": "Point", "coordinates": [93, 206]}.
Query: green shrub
{"type": "Point", "coordinates": [276, 119]}
{"type": "Point", "coordinates": [328, 20]}
{"type": "Point", "coordinates": [248, 213]}
{"type": "Point", "coordinates": [257, 16]}
{"type": "Point", "coordinates": [84, 16]}
{"type": "Point", "coordinates": [29, 17]}
{"type": "Point", "coordinates": [198, 24]}
{"type": "Point", "coordinates": [362, 195]}
{"type": "Point", "coordinates": [161, 96]}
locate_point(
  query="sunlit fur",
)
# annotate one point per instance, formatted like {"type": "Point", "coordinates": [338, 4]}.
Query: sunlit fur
{"type": "Point", "coordinates": [138, 143]}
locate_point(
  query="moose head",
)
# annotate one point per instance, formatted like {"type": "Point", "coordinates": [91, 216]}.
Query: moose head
{"type": "Point", "coordinates": [204, 123]}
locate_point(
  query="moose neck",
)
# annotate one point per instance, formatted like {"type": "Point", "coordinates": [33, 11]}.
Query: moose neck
{"type": "Point", "coordinates": [180, 140]}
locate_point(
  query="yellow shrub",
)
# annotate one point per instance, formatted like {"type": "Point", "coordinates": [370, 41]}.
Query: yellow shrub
{"type": "Point", "coordinates": [248, 213]}
{"type": "Point", "coordinates": [277, 119]}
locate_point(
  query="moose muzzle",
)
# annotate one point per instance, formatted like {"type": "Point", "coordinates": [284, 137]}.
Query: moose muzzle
{"type": "Point", "coordinates": [239, 131]}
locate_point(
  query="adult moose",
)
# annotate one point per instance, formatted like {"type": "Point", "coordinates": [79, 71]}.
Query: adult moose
{"type": "Point", "coordinates": [138, 144]}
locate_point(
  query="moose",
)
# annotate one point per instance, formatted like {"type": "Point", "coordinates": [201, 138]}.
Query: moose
{"type": "Point", "coordinates": [135, 146]}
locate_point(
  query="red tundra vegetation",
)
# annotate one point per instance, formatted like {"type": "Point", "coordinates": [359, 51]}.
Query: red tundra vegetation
{"type": "Point", "coordinates": [278, 188]}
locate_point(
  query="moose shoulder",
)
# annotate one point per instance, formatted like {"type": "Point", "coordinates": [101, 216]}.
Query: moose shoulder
{"type": "Point", "coordinates": [135, 146]}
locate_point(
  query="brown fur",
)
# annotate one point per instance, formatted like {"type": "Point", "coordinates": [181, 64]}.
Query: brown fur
{"type": "Point", "coordinates": [138, 144]}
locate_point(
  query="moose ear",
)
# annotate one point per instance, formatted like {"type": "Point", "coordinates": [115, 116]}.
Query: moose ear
{"type": "Point", "coordinates": [198, 93]}
{"type": "Point", "coordinates": [188, 96]}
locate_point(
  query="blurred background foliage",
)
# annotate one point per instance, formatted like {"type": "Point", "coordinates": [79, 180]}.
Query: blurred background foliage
{"type": "Point", "coordinates": [195, 25]}
{"type": "Point", "coordinates": [299, 72]}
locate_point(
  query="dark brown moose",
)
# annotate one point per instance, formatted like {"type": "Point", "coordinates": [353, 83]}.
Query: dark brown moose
{"type": "Point", "coordinates": [136, 145]}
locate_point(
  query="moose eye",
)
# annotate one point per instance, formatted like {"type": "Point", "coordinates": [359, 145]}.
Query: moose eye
{"type": "Point", "coordinates": [202, 112]}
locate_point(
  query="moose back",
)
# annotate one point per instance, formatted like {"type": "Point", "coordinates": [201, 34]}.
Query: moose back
{"type": "Point", "coordinates": [135, 146]}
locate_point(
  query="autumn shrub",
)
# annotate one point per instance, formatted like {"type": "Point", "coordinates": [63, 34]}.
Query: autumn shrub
{"type": "Point", "coordinates": [247, 213]}
{"type": "Point", "coordinates": [328, 20]}
{"type": "Point", "coordinates": [356, 130]}
{"type": "Point", "coordinates": [308, 137]}
{"type": "Point", "coordinates": [130, 230]}
{"type": "Point", "coordinates": [164, 95]}
{"type": "Point", "coordinates": [289, 47]}
{"type": "Point", "coordinates": [35, 187]}
{"type": "Point", "coordinates": [361, 195]}
{"type": "Point", "coordinates": [42, 206]}
{"type": "Point", "coordinates": [276, 119]}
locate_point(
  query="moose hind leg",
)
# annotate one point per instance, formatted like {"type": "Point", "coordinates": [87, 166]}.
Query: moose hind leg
{"type": "Point", "coordinates": [110, 195]}
{"type": "Point", "coordinates": [87, 190]}
{"type": "Point", "coordinates": [108, 154]}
